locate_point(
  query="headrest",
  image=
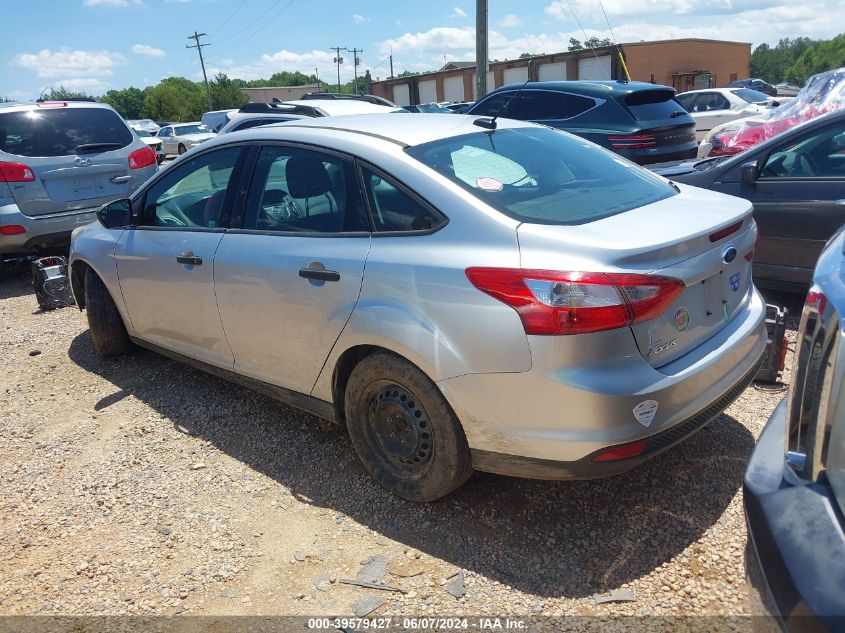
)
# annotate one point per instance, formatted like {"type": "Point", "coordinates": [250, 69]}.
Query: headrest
{"type": "Point", "coordinates": [306, 176]}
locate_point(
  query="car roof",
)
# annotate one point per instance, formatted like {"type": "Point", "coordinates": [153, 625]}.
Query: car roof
{"type": "Point", "coordinates": [403, 129]}
{"type": "Point", "coordinates": [241, 116]}
{"type": "Point", "coordinates": [727, 89]}
{"type": "Point", "coordinates": [46, 105]}
{"type": "Point", "coordinates": [188, 123]}
{"type": "Point", "coordinates": [598, 88]}
{"type": "Point", "coordinates": [334, 107]}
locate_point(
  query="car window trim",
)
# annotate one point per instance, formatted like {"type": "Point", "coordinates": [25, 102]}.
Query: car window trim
{"type": "Point", "coordinates": [247, 185]}
{"type": "Point", "coordinates": [141, 198]}
{"type": "Point", "coordinates": [361, 164]}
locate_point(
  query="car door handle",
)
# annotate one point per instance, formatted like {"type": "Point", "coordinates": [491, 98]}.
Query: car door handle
{"type": "Point", "coordinates": [189, 258]}
{"type": "Point", "coordinates": [319, 274]}
{"type": "Point", "coordinates": [119, 179]}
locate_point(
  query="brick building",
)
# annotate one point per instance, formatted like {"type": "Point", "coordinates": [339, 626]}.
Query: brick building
{"type": "Point", "coordinates": [684, 64]}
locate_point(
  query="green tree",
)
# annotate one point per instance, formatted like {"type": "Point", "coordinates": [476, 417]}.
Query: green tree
{"type": "Point", "coordinates": [225, 93]}
{"type": "Point", "coordinates": [59, 93]}
{"type": "Point", "coordinates": [174, 99]}
{"type": "Point", "coordinates": [771, 63]}
{"type": "Point", "coordinates": [575, 45]}
{"type": "Point", "coordinates": [818, 57]}
{"type": "Point", "coordinates": [595, 42]}
{"type": "Point", "coordinates": [128, 102]}
{"type": "Point", "coordinates": [530, 55]}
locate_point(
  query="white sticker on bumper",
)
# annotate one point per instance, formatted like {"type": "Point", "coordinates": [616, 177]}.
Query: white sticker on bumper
{"type": "Point", "coordinates": [645, 411]}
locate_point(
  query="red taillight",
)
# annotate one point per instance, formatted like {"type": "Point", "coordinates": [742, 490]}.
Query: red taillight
{"type": "Point", "coordinates": [143, 157]}
{"type": "Point", "coordinates": [16, 172]}
{"type": "Point", "coordinates": [551, 302]}
{"type": "Point", "coordinates": [816, 299]}
{"type": "Point", "coordinates": [723, 233]}
{"type": "Point", "coordinates": [620, 452]}
{"type": "Point", "coordinates": [632, 141]}
{"type": "Point", "coordinates": [12, 229]}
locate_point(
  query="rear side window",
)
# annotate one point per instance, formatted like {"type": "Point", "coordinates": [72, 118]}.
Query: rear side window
{"type": "Point", "coordinates": [543, 176]}
{"type": "Point", "coordinates": [500, 104]}
{"type": "Point", "coordinates": [59, 131]}
{"type": "Point", "coordinates": [395, 210]}
{"type": "Point", "coordinates": [537, 105]}
{"type": "Point", "coordinates": [650, 105]}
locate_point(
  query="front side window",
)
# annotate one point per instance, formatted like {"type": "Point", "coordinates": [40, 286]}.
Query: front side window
{"type": "Point", "coordinates": [62, 131]}
{"type": "Point", "coordinates": [395, 210]}
{"type": "Point", "coordinates": [820, 154]}
{"type": "Point", "coordinates": [304, 191]}
{"type": "Point", "coordinates": [500, 104]}
{"type": "Point", "coordinates": [164, 132]}
{"type": "Point", "coordinates": [538, 105]}
{"type": "Point", "coordinates": [195, 194]}
{"type": "Point", "coordinates": [543, 176]}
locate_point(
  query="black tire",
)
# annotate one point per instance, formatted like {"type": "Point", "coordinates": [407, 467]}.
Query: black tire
{"type": "Point", "coordinates": [404, 431]}
{"type": "Point", "coordinates": [181, 149]}
{"type": "Point", "coordinates": [104, 321]}
{"type": "Point", "coordinates": [3, 268]}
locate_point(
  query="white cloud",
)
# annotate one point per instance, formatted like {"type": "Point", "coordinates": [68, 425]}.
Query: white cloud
{"type": "Point", "coordinates": [510, 21]}
{"type": "Point", "coordinates": [457, 12]}
{"type": "Point", "coordinates": [83, 84]}
{"type": "Point", "coordinates": [111, 3]}
{"type": "Point", "coordinates": [70, 63]}
{"type": "Point", "coordinates": [359, 19]}
{"type": "Point", "coordinates": [270, 63]}
{"type": "Point", "coordinates": [150, 51]}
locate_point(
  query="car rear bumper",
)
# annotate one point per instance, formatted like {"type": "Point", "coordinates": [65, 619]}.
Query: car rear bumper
{"type": "Point", "coordinates": [41, 232]}
{"type": "Point", "coordinates": [551, 421]}
{"type": "Point", "coordinates": [795, 558]}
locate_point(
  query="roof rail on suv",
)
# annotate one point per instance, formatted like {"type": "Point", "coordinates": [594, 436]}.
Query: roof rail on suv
{"type": "Point", "coordinates": [87, 99]}
{"type": "Point", "coordinates": [340, 96]}
{"type": "Point", "coordinates": [281, 108]}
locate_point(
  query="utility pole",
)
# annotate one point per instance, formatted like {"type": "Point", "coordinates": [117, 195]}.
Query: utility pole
{"type": "Point", "coordinates": [482, 60]}
{"type": "Point", "coordinates": [196, 37]}
{"type": "Point", "coordinates": [355, 52]}
{"type": "Point", "coordinates": [391, 62]}
{"type": "Point", "coordinates": [338, 60]}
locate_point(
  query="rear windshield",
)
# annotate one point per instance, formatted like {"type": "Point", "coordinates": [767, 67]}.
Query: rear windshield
{"type": "Point", "coordinates": [751, 96]}
{"type": "Point", "coordinates": [651, 105]}
{"type": "Point", "coordinates": [181, 130]}
{"type": "Point", "coordinates": [542, 175]}
{"type": "Point", "coordinates": [59, 131]}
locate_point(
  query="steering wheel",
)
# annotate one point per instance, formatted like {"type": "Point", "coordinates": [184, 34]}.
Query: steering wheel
{"type": "Point", "coordinates": [285, 211]}
{"type": "Point", "coordinates": [806, 164]}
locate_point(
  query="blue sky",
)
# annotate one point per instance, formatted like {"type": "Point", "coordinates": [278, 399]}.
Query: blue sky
{"type": "Point", "coordinates": [96, 45]}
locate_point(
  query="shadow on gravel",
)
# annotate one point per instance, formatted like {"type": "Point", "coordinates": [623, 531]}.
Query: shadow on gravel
{"type": "Point", "coordinates": [17, 283]}
{"type": "Point", "coordinates": [570, 539]}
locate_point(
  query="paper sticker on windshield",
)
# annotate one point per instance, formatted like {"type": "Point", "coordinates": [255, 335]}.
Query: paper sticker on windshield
{"type": "Point", "coordinates": [489, 184]}
{"type": "Point", "coordinates": [645, 411]}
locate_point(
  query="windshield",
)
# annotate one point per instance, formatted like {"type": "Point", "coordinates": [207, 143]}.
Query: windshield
{"type": "Point", "coordinates": [542, 175]}
{"type": "Point", "coordinates": [59, 131]}
{"type": "Point", "coordinates": [182, 130]}
{"type": "Point", "coordinates": [751, 96]}
{"type": "Point", "coordinates": [141, 133]}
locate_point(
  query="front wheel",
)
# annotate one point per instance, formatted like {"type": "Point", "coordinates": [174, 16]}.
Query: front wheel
{"type": "Point", "coordinates": [182, 149]}
{"type": "Point", "coordinates": [404, 431]}
{"type": "Point", "coordinates": [104, 321]}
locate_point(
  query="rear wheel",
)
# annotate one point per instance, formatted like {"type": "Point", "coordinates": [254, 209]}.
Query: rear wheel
{"type": "Point", "coordinates": [182, 149]}
{"type": "Point", "coordinates": [104, 321]}
{"type": "Point", "coordinates": [404, 431]}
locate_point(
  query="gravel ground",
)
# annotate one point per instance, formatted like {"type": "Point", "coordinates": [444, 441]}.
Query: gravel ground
{"type": "Point", "coordinates": [140, 486]}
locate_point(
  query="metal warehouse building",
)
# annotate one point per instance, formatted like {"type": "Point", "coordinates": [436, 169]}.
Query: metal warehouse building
{"type": "Point", "coordinates": [685, 64]}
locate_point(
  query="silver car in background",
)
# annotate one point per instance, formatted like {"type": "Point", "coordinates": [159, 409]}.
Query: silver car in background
{"type": "Point", "coordinates": [461, 293]}
{"type": "Point", "coordinates": [178, 138]}
{"type": "Point", "coordinates": [59, 162]}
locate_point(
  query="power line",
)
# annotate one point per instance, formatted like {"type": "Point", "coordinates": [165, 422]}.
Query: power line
{"type": "Point", "coordinates": [584, 32]}
{"type": "Point", "coordinates": [613, 36]}
{"type": "Point", "coordinates": [196, 37]}
{"type": "Point", "coordinates": [232, 15]}
{"type": "Point", "coordinates": [261, 27]}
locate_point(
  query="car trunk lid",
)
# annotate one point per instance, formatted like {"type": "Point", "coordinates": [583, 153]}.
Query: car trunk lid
{"type": "Point", "coordinates": [697, 237]}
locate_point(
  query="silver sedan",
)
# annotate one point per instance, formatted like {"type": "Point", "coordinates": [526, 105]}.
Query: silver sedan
{"type": "Point", "coordinates": [180, 137]}
{"type": "Point", "coordinates": [460, 292]}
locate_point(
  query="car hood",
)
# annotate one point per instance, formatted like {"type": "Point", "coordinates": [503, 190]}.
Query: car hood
{"type": "Point", "coordinates": [680, 167]}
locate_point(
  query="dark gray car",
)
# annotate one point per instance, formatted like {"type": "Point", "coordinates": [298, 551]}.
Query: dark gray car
{"type": "Point", "coordinates": [796, 181]}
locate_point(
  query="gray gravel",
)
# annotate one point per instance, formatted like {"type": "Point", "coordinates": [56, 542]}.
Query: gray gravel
{"type": "Point", "coordinates": [138, 485]}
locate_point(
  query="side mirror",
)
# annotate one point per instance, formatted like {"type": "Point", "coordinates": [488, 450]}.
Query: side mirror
{"type": "Point", "coordinates": [750, 172]}
{"type": "Point", "coordinates": [115, 215]}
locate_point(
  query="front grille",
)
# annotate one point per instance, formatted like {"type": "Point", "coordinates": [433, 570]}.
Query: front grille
{"type": "Point", "coordinates": [697, 422]}
{"type": "Point", "coordinates": [807, 419]}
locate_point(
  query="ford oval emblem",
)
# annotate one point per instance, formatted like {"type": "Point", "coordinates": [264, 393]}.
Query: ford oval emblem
{"type": "Point", "coordinates": [729, 255]}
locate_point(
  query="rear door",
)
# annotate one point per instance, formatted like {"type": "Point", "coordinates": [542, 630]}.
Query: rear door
{"type": "Point", "coordinates": [709, 110]}
{"type": "Point", "coordinates": [799, 201]}
{"type": "Point", "coordinates": [166, 264]}
{"type": "Point", "coordinates": [78, 157]}
{"type": "Point", "coordinates": [288, 281]}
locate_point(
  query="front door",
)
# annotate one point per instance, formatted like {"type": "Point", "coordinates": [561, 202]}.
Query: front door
{"type": "Point", "coordinates": [288, 281]}
{"type": "Point", "coordinates": [166, 265]}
